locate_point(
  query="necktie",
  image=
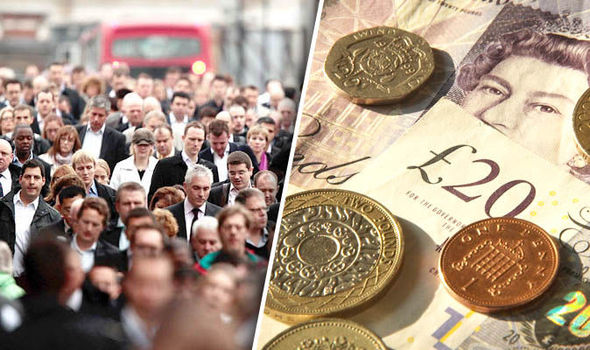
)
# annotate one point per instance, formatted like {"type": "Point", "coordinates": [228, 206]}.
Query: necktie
{"type": "Point", "coordinates": [1, 188]}
{"type": "Point", "coordinates": [195, 218]}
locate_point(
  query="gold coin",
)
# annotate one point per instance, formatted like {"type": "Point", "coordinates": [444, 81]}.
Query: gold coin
{"type": "Point", "coordinates": [582, 125]}
{"type": "Point", "coordinates": [336, 250]}
{"type": "Point", "coordinates": [326, 334]}
{"type": "Point", "coordinates": [379, 65]}
{"type": "Point", "coordinates": [498, 264]}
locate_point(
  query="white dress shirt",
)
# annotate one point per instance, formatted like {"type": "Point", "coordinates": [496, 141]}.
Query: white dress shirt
{"type": "Point", "coordinates": [93, 141]}
{"type": "Point", "coordinates": [221, 163]}
{"type": "Point", "coordinates": [23, 217]}
{"type": "Point", "coordinates": [126, 171]}
{"type": "Point", "coordinates": [6, 181]}
{"type": "Point", "coordinates": [233, 193]}
{"type": "Point", "coordinates": [86, 256]}
{"type": "Point", "coordinates": [188, 217]}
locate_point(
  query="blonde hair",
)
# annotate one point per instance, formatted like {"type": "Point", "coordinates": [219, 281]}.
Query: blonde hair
{"type": "Point", "coordinates": [82, 156]}
{"type": "Point", "coordinates": [258, 130]}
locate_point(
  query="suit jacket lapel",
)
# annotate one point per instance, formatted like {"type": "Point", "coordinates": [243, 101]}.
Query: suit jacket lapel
{"type": "Point", "coordinates": [104, 144]}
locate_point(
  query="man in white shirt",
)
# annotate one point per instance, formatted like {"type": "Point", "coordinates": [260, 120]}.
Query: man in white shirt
{"type": "Point", "coordinates": [98, 139]}
{"type": "Point", "coordinates": [239, 168]}
{"type": "Point", "coordinates": [5, 173]}
{"type": "Point", "coordinates": [148, 288]}
{"type": "Point", "coordinates": [45, 106]}
{"type": "Point", "coordinates": [92, 219]}
{"type": "Point", "coordinates": [24, 213]}
{"type": "Point", "coordinates": [179, 116]}
{"type": "Point", "coordinates": [220, 147]}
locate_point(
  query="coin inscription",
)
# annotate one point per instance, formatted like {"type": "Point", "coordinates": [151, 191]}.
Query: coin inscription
{"type": "Point", "coordinates": [326, 334]}
{"type": "Point", "coordinates": [379, 65]}
{"type": "Point", "coordinates": [499, 263]}
{"type": "Point", "coordinates": [335, 250]}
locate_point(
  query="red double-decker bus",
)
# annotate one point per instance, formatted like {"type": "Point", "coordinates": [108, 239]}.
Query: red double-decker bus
{"type": "Point", "coordinates": [149, 48]}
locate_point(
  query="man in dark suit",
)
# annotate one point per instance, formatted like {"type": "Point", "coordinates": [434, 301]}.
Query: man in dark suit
{"type": "Point", "coordinates": [63, 227]}
{"type": "Point", "coordinates": [23, 137]}
{"type": "Point", "coordinates": [220, 147]}
{"type": "Point", "coordinates": [23, 114]}
{"type": "Point", "coordinates": [239, 168]}
{"type": "Point", "coordinates": [24, 212]}
{"type": "Point", "coordinates": [129, 195]}
{"type": "Point", "coordinates": [56, 76]}
{"type": "Point", "coordinates": [197, 185]}
{"type": "Point", "coordinates": [84, 165]}
{"type": "Point", "coordinates": [92, 220]}
{"type": "Point", "coordinates": [97, 138]}
{"type": "Point", "coordinates": [171, 171]}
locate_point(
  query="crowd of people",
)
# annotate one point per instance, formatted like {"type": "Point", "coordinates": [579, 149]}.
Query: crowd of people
{"type": "Point", "coordinates": [137, 212]}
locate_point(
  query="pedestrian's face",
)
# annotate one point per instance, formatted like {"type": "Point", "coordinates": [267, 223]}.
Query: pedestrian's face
{"type": "Point", "coordinates": [5, 156]}
{"type": "Point", "coordinates": [206, 241]}
{"type": "Point", "coordinates": [152, 124]}
{"type": "Point", "coordinates": [218, 289]}
{"type": "Point", "coordinates": [23, 117]}
{"type": "Point", "coordinates": [134, 112]}
{"type": "Point", "coordinates": [233, 233]}
{"type": "Point", "coordinates": [218, 88]}
{"type": "Point", "coordinates": [65, 208]}
{"type": "Point", "coordinates": [179, 106]}
{"type": "Point", "coordinates": [13, 92]}
{"type": "Point", "coordinates": [238, 117]}
{"type": "Point", "coordinates": [101, 176]}
{"type": "Point", "coordinates": [271, 129]}
{"type": "Point", "coordinates": [23, 140]}
{"type": "Point", "coordinates": [257, 207]}
{"type": "Point", "coordinates": [45, 103]}
{"type": "Point", "coordinates": [197, 191]}
{"type": "Point", "coordinates": [269, 188]}
{"type": "Point", "coordinates": [239, 175]}
{"type": "Point", "coordinates": [56, 74]}
{"type": "Point", "coordinates": [129, 200]}
{"type": "Point", "coordinates": [97, 118]}
{"type": "Point", "coordinates": [7, 122]}
{"type": "Point", "coordinates": [257, 142]}
{"type": "Point", "coordinates": [90, 225]}
{"type": "Point", "coordinates": [530, 101]}
{"type": "Point", "coordinates": [149, 286]}
{"type": "Point", "coordinates": [31, 182]}
{"type": "Point", "coordinates": [193, 140]}
{"type": "Point", "coordinates": [164, 141]}
{"type": "Point", "coordinates": [86, 172]}
{"type": "Point", "coordinates": [51, 130]}
{"type": "Point", "coordinates": [66, 143]}
{"type": "Point", "coordinates": [219, 143]}
{"type": "Point", "coordinates": [145, 87]}
{"type": "Point", "coordinates": [252, 96]}
{"type": "Point", "coordinates": [147, 242]}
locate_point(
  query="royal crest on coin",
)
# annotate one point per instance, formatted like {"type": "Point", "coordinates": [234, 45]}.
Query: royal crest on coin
{"type": "Point", "coordinates": [379, 65]}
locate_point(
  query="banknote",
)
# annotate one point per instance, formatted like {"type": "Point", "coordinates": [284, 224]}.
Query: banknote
{"type": "Point", "coordinates": [466, 171]}
{"type": "Point", "coordinates": [472, 41]}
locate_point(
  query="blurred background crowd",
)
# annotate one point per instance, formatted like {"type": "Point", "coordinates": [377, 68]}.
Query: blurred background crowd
{"type": "Point", "coordinates": [140, 185]}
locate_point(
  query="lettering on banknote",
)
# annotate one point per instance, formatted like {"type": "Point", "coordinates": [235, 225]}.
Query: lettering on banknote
{"type": "Point", "coordinates": [494, 171]}
{"type": "Point", "coordinates": [323, 171]}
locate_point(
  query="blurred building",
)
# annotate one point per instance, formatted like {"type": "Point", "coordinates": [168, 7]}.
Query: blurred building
{"type": "Point", "coordinates": [253, 40]}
